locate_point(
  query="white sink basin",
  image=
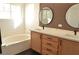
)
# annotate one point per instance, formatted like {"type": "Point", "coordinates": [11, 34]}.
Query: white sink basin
{"type": "Point", "coordinates": [40, 30]}
{"type": "Point", "coordinates": [72, 36]}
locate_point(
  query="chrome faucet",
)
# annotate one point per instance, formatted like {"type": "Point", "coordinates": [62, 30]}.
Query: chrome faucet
{"type": "Point", "coordinates": [43, 27]}
{"type": "Point", "coordinates": [75, 32]}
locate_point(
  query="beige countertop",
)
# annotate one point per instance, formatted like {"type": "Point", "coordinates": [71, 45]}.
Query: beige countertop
{"type": "Point", "coordinates": [59, 33]}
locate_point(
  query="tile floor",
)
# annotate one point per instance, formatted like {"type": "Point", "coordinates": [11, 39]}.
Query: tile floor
{"type": "Point", "coordinates": [28, 52]}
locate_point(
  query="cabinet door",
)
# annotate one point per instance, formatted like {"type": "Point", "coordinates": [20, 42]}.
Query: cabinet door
{"type": "Point", "coordinates": [70, 47]}
{"type": "Point", "coordinates": [36, 41]}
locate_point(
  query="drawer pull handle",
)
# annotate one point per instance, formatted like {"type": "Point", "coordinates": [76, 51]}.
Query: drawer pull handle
{"type": "Point", "coordinates": [49, 38]}
{"type": "Point", "coordinates": [49, 50]}
{"type": "Point", "coordinates": [49, 44]}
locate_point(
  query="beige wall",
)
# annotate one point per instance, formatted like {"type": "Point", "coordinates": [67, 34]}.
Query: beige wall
{"type": "Point", "coordinates": [59, 10]}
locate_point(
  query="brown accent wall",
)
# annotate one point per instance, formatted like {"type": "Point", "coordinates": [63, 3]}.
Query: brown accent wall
{"type": "Point", "coordinates": [59, 10]}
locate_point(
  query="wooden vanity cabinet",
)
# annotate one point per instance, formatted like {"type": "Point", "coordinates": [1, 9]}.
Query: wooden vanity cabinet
{"type": "Point", "coordinates": [69, 47]}
{"type": "Point", "coordinates": [44, 44]}
{"type": "Point", "coordinates": [50, 45]}
{"type": "Point", "coordinates": [36, 41]}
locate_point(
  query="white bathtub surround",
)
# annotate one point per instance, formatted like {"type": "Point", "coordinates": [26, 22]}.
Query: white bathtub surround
{"type": "Point", "coordinates": [15, 38]}
{"type": "Point", "coordinates": [16, 44]}
{"type": "Point", "coordinates": [15, 48]}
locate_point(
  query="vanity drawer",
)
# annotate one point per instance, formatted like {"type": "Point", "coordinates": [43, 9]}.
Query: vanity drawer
{"type": "Point", "coordinates": [49, 43]}
{"type": "Point", "coordinates": [50, 38]}
{"type": "Point", "coordinates": [48, 51]}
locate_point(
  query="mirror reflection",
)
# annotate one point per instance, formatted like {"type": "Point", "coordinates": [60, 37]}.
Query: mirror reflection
{"type": "Point", "coordinates": [72, 16]}
{"type": "Point", "coordinates": [46, 15]}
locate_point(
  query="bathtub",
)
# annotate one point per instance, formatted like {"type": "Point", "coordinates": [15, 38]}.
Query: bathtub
{"type": "Point", "coordinates": [15, 44]}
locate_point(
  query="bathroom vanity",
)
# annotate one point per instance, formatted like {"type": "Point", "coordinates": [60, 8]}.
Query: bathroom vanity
{"type": "Point", "coordinates": [57, 41]}
{"type": "Point", "coordinates": [52, 45]}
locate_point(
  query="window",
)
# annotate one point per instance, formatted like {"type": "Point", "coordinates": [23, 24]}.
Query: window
{"type": "Point", "coordinates": [16, 14]}
{"type": "Point", "coordinates": [4, 11]}
{"type": "Point", "coordinates": [12, 12]}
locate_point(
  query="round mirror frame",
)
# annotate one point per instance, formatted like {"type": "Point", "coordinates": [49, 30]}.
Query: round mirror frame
{"type": "Point", "coordinates": [52, 15]}
{"type": "Point", "coordinates": [68, 17]}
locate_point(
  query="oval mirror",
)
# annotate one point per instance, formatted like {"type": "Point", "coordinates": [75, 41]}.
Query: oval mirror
{"type": "Point", "coordinates": [72, 16]}
{"type": "Point", "coordinates": [46, 15]}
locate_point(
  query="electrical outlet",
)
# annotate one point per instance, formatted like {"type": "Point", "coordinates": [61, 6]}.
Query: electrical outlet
{"type": "Point", "coordinates": [60, 25]}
